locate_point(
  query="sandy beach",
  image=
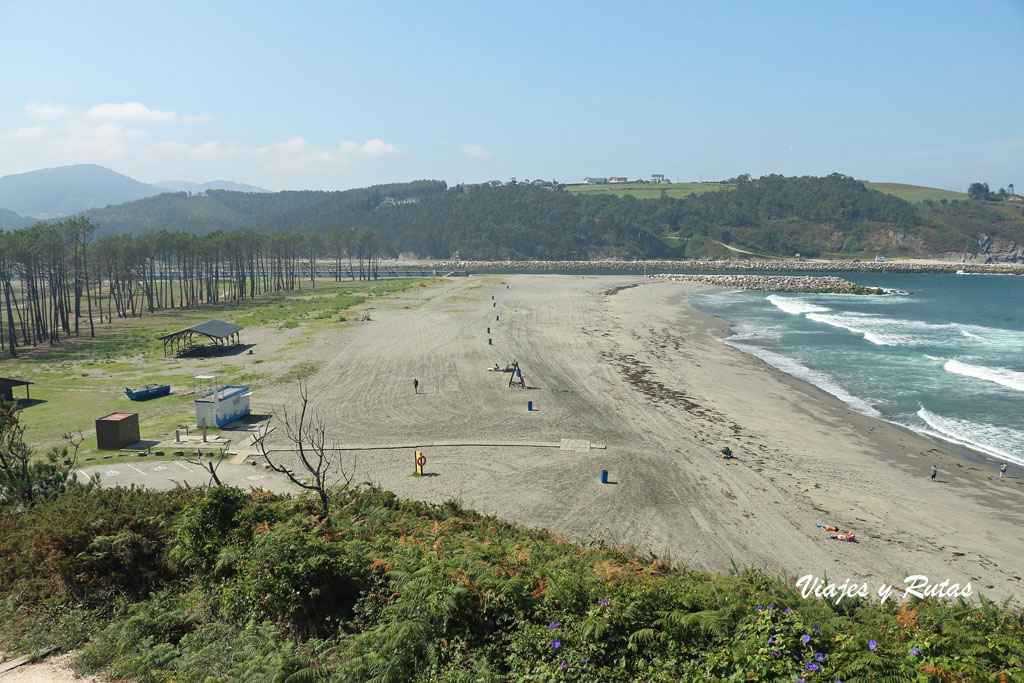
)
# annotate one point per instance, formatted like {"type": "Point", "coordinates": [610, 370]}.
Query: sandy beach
{"type": "Point", "coordinates": [626, 363]}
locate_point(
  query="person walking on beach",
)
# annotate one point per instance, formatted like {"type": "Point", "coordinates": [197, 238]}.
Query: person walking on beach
{"type": "Point", "coordinates": [415, 386]}
{"type": "Point", "coordinates": [934, 472]}
{"type": "Point", "coordinates": [1002, 470]}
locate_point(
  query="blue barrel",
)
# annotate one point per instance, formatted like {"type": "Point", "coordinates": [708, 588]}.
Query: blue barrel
{"type": "Point", "coordinates": [518, 373]}
{"type": "Point", "coordinates": [494, 304]}
{"type": "Point", "coordinates": [529, 405]}
{"type": "Point", "coordinates": [497, 317]}
{"type": "Point", "coordinates": [506, 286]}
{"type": "Point", "coordinates": [489, 342]}
{"type": "Point", "coordinates": [492, 297]}
{"type": "Point", "coordinates": [604, 476]}
{"type": "Point", "coordinates": [488, 330]}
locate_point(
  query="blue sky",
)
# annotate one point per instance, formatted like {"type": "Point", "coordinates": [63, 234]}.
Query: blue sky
{"type": "Point", "coordinates": [336, 95]}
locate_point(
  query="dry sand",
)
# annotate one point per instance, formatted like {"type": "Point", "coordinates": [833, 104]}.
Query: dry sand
{"type": "Point", "coordinates": [628, 363]}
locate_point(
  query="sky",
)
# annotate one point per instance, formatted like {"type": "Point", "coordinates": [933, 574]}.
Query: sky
{"type": "Point", "coordinates": [334, 95]}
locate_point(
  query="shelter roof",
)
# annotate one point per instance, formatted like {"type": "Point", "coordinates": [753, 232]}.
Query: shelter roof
{"type": "Point", "coordinates": [7, 381]}
{"type": "Point", "coordinates": [215, 329]}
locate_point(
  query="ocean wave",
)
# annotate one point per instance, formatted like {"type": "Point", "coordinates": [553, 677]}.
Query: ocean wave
{"type": "Point", "coordinates": [875, 330]}
{"type": "Point", "coordinates": [795, 305]}
{"type": "Point", "coordinates": [822, 380]}
{"type": "Point", "coordinates": [1011, 379]}
{"type": "Point", "coordinates": [988, 439]}
{"type": "Point", "coordinates": [885, 331]}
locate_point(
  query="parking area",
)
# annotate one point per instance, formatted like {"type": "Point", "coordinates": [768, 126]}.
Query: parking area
{"type": "Point", "coordinates": [163, 474]}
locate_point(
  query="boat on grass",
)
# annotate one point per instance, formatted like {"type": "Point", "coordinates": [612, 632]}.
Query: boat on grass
{"type": "Point", "coordinates": [148, 391]}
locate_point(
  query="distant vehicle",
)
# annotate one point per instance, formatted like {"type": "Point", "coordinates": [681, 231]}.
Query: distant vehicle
{"type": "Point", "coordinates": [144, 393]}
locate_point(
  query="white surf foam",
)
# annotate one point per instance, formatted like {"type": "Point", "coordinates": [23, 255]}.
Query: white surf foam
{"type": "Point", "coordinates": [886, 331]}
{"type": "Point", "coordinates": [795, 305]}
{"type": "Point", "coordinates": [1002, 376]}
{"type": "Point", "coordinates": [998, 442]}
{"type": "Point", "coordinates": [822, 380]}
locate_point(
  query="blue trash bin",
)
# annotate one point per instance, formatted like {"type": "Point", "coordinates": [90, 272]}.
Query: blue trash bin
{"type": "Point", "coordinates": [604, 476]}
{"type": "Point", "coordinates": [529, 406]}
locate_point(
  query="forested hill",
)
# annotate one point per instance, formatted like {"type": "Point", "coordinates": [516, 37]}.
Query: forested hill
{"type": "Point", "coordinates": [772, 215]}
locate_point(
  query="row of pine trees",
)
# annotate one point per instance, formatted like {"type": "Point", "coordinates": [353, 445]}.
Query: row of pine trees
{"type": "Point", "coordinates": [59, 280]}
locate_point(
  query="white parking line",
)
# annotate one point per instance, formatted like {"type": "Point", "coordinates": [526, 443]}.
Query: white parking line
{"type": "Point", "coordinates": [136, 469]}
{"type": "Point", "coordinates": [187, 469]}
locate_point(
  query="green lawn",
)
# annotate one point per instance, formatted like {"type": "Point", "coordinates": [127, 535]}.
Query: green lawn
{"type": "Point", "coordinates": [83, 379]}
{"type": "Point", "coordinates": [914, 193]}
{"type": "Point", "coordinates": [910, 193]}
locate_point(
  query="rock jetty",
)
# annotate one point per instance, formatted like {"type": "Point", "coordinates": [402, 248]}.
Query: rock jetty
{"type": "Point", "coordinates": [788, 266]}
{"type": "Point", "coordinates": [807, 284]}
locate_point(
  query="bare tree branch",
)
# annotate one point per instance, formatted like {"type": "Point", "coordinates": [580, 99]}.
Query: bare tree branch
{"type": "Point", "coordinates": [329, 475]}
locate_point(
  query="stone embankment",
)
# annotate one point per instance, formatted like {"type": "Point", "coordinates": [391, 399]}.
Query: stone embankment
{"type": "Point", "coordinates": [807, 284]}
{"type": "Point", "coordinates": [737, 265]}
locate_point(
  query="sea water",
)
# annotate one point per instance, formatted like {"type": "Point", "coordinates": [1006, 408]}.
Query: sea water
{"type": "Point", "coordinates": [945, 360]}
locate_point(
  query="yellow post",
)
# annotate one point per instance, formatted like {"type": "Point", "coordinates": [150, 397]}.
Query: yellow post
{"type": "Point", "coordinates": [419, 460]}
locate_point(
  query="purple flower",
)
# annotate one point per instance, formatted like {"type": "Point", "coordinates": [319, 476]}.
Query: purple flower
{"type": "Point", "coordinates": [872, 644]}
{"type": "Point", "coordinates": [820, 657]}
{"type": "Point", "coordinates": [556, 643]}
{"type": "Point", "coordinates": [771, 607]}
{"type": "Point", "coordinates": [775, 652]}
{"type": "Point", "coordinates": [811, 666]}
{"type": "Point", "coordinates": [586, 660]}
{"type": "Point", "coordinates": [554, 624]}
{"type": "Point", "coordinates": [806, 638]}
{"type": "Point", "coordinates": [603, 602]}
{"type": "Point", "coordinates": [770, 639]}
{"type": "Point", "coordinates": [788, 610]}
{"type": "Point", "coordinates": [814, 627]}
{"type": "Point", "coordinates": [913, 650]}
{"type": "Point", "coordinates": [562, 665]}
{"type": "Point", "coordinates": [758, 608]}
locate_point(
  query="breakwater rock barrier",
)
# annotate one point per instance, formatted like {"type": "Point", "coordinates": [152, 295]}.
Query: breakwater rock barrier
{"type": "Point", "coordinates": [807, 284]}
{"type": "Point", "coordinates": [734, 265]}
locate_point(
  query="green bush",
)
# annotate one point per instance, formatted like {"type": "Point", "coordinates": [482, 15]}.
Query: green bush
{"type": "Point", "coordinates": [400, 590]}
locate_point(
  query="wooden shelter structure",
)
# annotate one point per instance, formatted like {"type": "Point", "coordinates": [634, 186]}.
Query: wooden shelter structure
{"type": "Point", "coordinates": [221, 333]}
{"type": "Point", "coordinates": [7, 385]}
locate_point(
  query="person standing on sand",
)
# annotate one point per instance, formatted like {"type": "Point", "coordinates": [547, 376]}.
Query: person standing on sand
{"type": "Point", "coordinates": [415, 386]}
{"type": "Point", "coordinates": [1002, 470]}
{"type": "Point", "coordinates": [934, 472]}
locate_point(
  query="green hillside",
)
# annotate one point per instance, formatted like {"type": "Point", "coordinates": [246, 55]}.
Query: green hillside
{"type": "Point", "coordinates": [914, 193]}
{"type": "Point", "coordinates": [834, 216]}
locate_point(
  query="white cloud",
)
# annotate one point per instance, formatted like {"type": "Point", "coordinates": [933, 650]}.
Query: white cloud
{"type": "Point", "coordinates": [48, 112]}
{"type": "Point", "coordinates": [215, 150]}
{"type": "Point", "coordinates": [373, 148]}
{"type": "Point", "coordinates": [133, 112]}
{"type": "Point", "coordinates": [24, 133]}
{"type": "Point", "coordinates": [298, 154]}
{"type": "Point", "coordinates": [476, 152]}
{"type": "Point", "coordinates": [121, 131]}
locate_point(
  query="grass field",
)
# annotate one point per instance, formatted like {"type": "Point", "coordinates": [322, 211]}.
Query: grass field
{"type": "Point", "coordinates": [646, 190]}
{"type": "Point", "coordinates": [914, 193]}
{"type": "Point", "coordinates": [83, 378]}
{"type": "Point", "coordinates": [910, 193]}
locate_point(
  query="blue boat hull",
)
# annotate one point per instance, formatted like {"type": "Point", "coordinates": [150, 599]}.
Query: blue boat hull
{"type": "Point", "coordinates": [146, 394]}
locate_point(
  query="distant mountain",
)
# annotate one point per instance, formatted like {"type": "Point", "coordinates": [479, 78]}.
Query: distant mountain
{"type": "Point", "coordinates": [10, 220]}
{"type": "Point", "coordinates": [188, 186]}
{"type": "Point", "coordinates": [65, 190]}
